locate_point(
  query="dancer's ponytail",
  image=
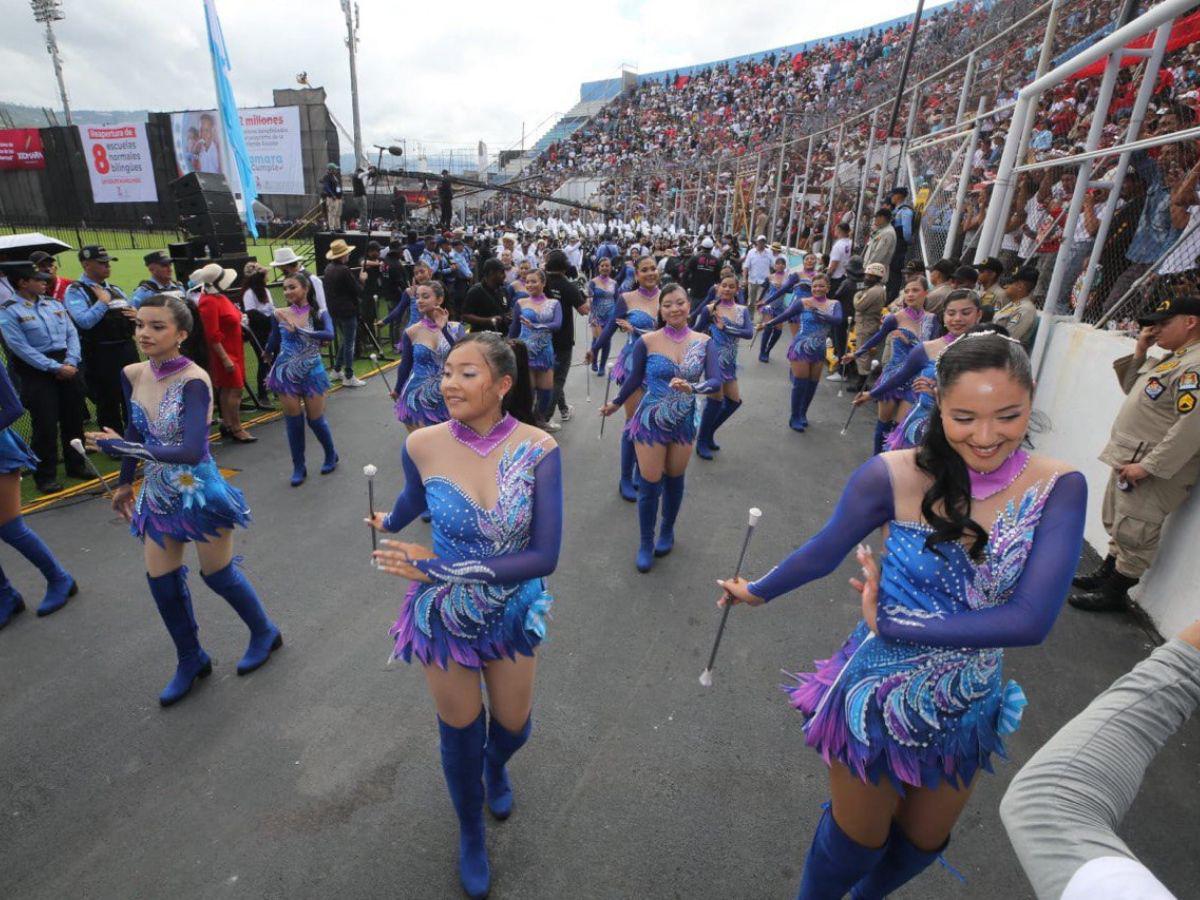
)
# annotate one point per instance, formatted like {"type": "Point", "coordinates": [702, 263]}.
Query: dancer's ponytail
{"type": "Point", "coordinates": [511, 358]}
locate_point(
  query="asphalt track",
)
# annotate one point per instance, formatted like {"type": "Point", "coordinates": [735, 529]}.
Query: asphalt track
{"type": "Point", "coordinates": [318, 776]}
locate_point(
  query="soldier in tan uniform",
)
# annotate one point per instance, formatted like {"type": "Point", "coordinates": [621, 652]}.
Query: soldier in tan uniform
{"type": "Point", "coordinates": [991, 294]}
{"type": "Point", "coordinates": [1019, 315]}
{"type": "Point", "coordinates": [1154, 450]}
{"type": "Point", "coordinates": [868, 317]}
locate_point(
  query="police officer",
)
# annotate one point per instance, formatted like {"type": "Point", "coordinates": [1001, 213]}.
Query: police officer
{"type": "Point", "coordinates": [43, 354]}
{"type": "Point", "coordinates": [1019, 315]}
{"type": "Point", "coordinates": [1154, 450]}
{"type": "Point", "coordinates": [159, 265]}
{"type": "Point", "coordinates": [105, 320]}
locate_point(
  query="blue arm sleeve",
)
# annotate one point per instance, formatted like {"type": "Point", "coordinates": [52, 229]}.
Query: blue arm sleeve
{"type": "Point", "coordinates": [1029, 613]}
{"type": "Point", "coordinates": [908, 370]}
{"type": "Point", "coordinates": [788, 285]}
{"type": "Point", "coordinates": [406, 361]}
{"type": "Point", "coordinates": [745, 329]}
{"type": "Point", "coordinates": [704, 319]}
{"type": "Point", "coordinates": [866, 504]}
{"type": "Point", "coordinates": [889, 325]}
{"type": "Point", "coordinates": [514, 327]}
{"type": "Point", "coordinates": [712, 370]}
{"type": "Point", "coordinates": [540, 556]}
{"type": "Point", "coordinates": [10, 403]}
{"type": "Point", "coordinates": [555, 322]}
{"type": "Point", "coordinates": [453, 332]}
{"type": "Point", "coordinates": [274, 339]}
{"type": "Point", "coordinates": [636, 374]}
{"type": "Point", "coordinates": [326, 332]}
{"type": "Point", "coordinates": [76, 300]}
{"type": "Point", "coordinates": [196, 399]}
{"type": "Point", "coordinates": [411, 502]}
{"type": "Point", "coordinates": [14, 337]}
{"type": "Point", "coordinates": [794, 309]}
{"type": "Point", "coordinates": [132, 434]}
{"type": "Point", "coordinates": [401, 310]}
{"type": "Point", "coordinates": [620, 311]}
{"type": "Point", "coordinates": [833, 316]}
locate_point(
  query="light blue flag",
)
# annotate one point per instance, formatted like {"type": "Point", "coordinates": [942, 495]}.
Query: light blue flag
{"type": "Point", "coordinates": [230, 121]}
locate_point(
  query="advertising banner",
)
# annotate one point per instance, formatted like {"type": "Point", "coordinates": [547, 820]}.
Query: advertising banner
{"type": "Point", "coordinates": [118, 161]}
{"type": "Point", "coordinates": [21, 148]}
{"type": "Point", "coordinates": [272, 137]}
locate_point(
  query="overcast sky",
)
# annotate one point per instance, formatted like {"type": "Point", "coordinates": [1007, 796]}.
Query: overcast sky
{"type": "Point", "coordinates": [450, 74]}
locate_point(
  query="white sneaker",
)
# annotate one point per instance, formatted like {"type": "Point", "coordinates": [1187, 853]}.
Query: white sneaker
{"type": "Point", "coordinates": [335, 376]}
{"type": "Point", "coordinates": [835, 376]}
{"type": "Point", "coordinates": [354, 381]}
{"type": "Point", "coordinates": [566, 414]}
{"type": "Point", "coordinates": [551, 427]}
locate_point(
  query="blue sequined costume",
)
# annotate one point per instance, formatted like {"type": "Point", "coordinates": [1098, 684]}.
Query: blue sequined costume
{"type": "Point", "coordinates": [642, 323]}
{"type": "Point", "coordinates": [910, 333]}
{"type": "Point", "coordinates": [809, 344]}
{"type": "Point", "coordinates": [298, 370]}
{"type": "Point", "coordinates": [534, 326]}
{"type": "Point", "coordinates": [183, 495]}
{"type": "Point", "coordinates": [419, 378]}
{"type": "Point", "coordinates": [665, 415]}
{"type": "Point", "coordinates": [487, 599]}
{"type": "Point", "coordinates": [603, 302]}
{"type": "Point", "coordinates": [15, 454]}
{"type": "Point", "coordinates": [924, 699]}
{"type": "Point", "coordinates": [727, 338]}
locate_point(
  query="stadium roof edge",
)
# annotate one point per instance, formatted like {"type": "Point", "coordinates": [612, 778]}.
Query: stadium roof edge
{"type": "Point", "coordinates": [607, 88]}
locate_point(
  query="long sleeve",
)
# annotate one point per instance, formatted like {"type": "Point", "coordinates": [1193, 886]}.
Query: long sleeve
{"type": "Point", "coordinates": [401, 310]}
{"type": "Point", "coordinates": [636, 373]}
{"type": "Point", "coordinates": [620, 311]}
{"type": "Point", "coordinates": [906, 372]}
{"type": "Point", "coordinates": [540, 556]}
{"type": "Point", "coordinates": [743, 330]}
{"type": "Point", "coordinates": [712, 370]}
{"type": "Point", "coordinates": [514, 327]}
{"type": "Point", "coordinates": [74, 350]}
{"type": "Point", "coordinates": [17, 343]}
{"type": "Point", "coordinates": [866, 504]}
{"type": "Point", "coordinates": [795, 308]}
{"type": "Point", "coordinates": [1179, 445]}
{"type": "Point", "coordinates": [1063, 808]}
{"type": "Point", "coordinates": [274, 339]}
{"type": "Point", "coordinates": [556, 320]}
{"type": "Point", "coordinates": [704, 319]}
{"type": "Point", "coordinates": [404, 370]}
{"type": "Point", "coordinates": [787, 287]}
{"type": "Point", "coordinates": [1029, 613]}
{"type": "Point", "coordinates": [10, 404]}
{"type": "Point", "coordinates": [833, 316]}
{"type": "Point", "coordinates": [133, 435]}
{"type": "Point", "coordinates": [890, 324]}
{"type": "Point", "coordinates": [326, 332]}
{"type": "Point", "coordinates": [196, 400]}
{"type": "Point", "coordinates": [411, 502]}
{"type": "Point", "coordinates": [78, 303]}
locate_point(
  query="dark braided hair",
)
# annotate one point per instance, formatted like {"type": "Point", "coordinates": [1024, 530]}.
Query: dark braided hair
{"type": "Point", "coordinates": [946, 505]}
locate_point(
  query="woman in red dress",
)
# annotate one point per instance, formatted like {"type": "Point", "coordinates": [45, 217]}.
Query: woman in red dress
{"type": "Point", "coordinates": [226, 351]}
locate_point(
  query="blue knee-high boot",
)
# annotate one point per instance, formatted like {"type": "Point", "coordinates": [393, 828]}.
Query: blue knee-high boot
{"type": "Point", "coordinates": [649, 493]}
{"type": "Point", "coordinates": [602, 362]}
{"type": "Point", "coordinates": [882, 430]}
{"type": "Point", "coordinates": [11, 602]}
{"type": "Point", "coordinates": [545, 403]}
{"type": "Point", "coordinates": [810, 391]}
{"type": "Point", "coordinates": [834, 863]}
{"type": "Point", "coordinates": [174, 602]}
{"type": "Point", "coordinates": [672, 500]}
{"type": "Point", "coordinates": [265, 638]}
{"type": "Point", "coordinates": [708, 422]}
{"type": "Point", "coordinates": [629, 489]}
{"type": "Point", "coordinates": [799, 387]}
{"type": "Point", "coordinates": [320, 427]}
{"type": "Point", "coordinates": [59, 583]}
{"type": "Point", "coordinates": [295, 437]}
{"type": "Point", "coordinates": [501, 745]}
{"type": "Point", "coordinates": [728, 408]}
{"type": "Point", "coordinates": [902, 862]}
{"type": "Point", "coordinates": [462, 764]}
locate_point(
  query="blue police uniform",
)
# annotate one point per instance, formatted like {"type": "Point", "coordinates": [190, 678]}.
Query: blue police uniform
{"type": "Point", "coordinates": [41, 339]}
{"type": "Point", "coordinates": [106, 340]}
{"type": "Point", "coordinates": [149, 288]}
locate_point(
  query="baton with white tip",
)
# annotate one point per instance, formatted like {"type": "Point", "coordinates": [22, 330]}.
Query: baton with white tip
{"type": "Point", "coordinates": [374, 357]}
{"type": "Point", "coordinates": [370, 471]}
{"type": "Point", "coordinates": [607, 388]}
{"type": "Point", "coordinates": [77, 446]}
{"type": "Point", "coordinates": [706, 676]}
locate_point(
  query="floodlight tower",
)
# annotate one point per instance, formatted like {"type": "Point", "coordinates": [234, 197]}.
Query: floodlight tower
{"type": "Point", "coordinates": [352, 20]}
{"type": "Point", "coordinates": [47, 12]}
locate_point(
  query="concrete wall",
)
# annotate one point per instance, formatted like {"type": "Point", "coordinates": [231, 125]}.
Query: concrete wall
{"type": "Point", "coordinates": [1078, 393]}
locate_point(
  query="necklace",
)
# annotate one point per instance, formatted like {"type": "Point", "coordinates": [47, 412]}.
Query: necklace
{"type": "Point", "coordinates": [988, 484]}
{"type": "Point", "coordinates": [913, 313]}
{"type": "Point", "coordinates": [483, 444]}
{"type": "Point", "coordinates": [299, 310]}
{"type": "Point", "coordinates": [429, 323]}
{"type": "Point", "coordinates": [648, 294]}
{"type": "Point", "coordinates": [537, 299]}
{"type": "Point", "coordinates": [676, 334]}
{"type": "Point", "coordinates": [168, 367]}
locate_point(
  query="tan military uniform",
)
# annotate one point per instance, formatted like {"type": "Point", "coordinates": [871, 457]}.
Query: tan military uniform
{"type": "Point", "coordinates": [936, 298]}
{"type": "Point", "coordinates": [993, 299]}
{"type": "Point", "coordinates": [1020, 318]}
{"type": "Point", "coordinates": [868, 317]}
{"type": "Point", "coordinates": [1159, 425]}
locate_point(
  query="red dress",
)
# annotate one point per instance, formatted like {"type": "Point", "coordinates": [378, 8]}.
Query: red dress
{"type": "Point", "coordinates": [223, 325]}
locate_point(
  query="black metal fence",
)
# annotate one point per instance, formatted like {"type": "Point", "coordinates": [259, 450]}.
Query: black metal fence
{"type": "Point", "coordinates": [112, 237]}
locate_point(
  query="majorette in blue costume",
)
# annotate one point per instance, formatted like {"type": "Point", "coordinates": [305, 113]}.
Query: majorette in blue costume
{"type": "Point", "coordinates": [727, 323]}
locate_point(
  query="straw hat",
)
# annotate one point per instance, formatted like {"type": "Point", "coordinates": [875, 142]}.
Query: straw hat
{"type": "Point", "coordinates": [213, 275]}
{"type": "Point", "coordinates": [338, 249]}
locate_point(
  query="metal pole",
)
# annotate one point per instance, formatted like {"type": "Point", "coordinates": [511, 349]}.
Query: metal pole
{"type": "Point", "coordinates": [912, 43]}
{"type": "Point", "coordinates": [352, 45]}
{"type": "Point", "coordinates": [52, 49]}
{"type": "Point", "coordinates": [804, 190]}
{"type": "Point", "coordinates": [909, 128]}
{"type": "Point", "coordinates": [716, 194]}
{"type": "Point", "coordinates": [964, 181]}
{"type": "Point", "coordinates": [1048, 39]}
{"type": "Point", "coordinates": [862, 183]}
{"type": "Point", "coordinates": [968, 80]}
{"type": "Point", "coordinates": [837, 162]}
{"type": "Point", "coordinates": [778, 190]}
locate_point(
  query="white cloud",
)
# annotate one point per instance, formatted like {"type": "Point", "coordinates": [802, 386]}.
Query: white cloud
{"type": "Point", "coordinates": [455, 73]}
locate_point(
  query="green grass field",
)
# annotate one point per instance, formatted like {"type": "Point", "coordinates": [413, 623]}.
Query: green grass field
{"type": "Point", "coordinates": [127, 271]}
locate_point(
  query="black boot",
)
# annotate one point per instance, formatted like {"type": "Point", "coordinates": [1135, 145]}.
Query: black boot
{"type": "Point", "coordinates": [1111, 595]}
{"type": "Point", "coordinates": [1093, 581]}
